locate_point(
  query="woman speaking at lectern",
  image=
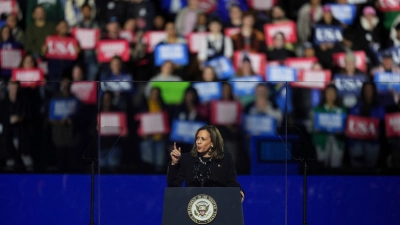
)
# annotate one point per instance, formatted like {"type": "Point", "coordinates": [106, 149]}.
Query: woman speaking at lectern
{"type": "Point", "coordinates": [207, 165]}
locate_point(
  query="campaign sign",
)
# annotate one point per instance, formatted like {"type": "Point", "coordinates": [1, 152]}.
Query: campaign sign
{"type": "Point", "coordinates": [113, 124]}
{"type": "Point", "coordinates": [87, 38]}
{"type": "Point", "coordinates": [386, 82]}
{"type": "Point", "coordinates": [243, 86]}
{"type": "Point", "coordinates": [225, 112]}
{"type": "Point", "coordinates": [222, 66]}
{"type": "Point", "coordinates": [106, 49]}
{"type": "Point", "coordinates": [301, 63]}
{"type": "Point", "coordinates": [357, 1]}
{"type": "Point", "coordinates": [389, 5]}
{"type": "Point", "coordinates": [349, 85]}
{"type": "Point", "coordinates": [362, 127]}
{"type": "Point", "coordinates": [231, 31]}
{"type": "Point", "coordinates": [361, 60]}
{"type": "Point", "coordinates": [208, 91]}
{"type": "Point", "coordinates": [8, 6]}
{"type": "Point", "coordinates": [63, 108]}
{"type": "Point", "coordinates": [327, 34]}
{"type": "Point", "coordinates": [287, 28]}
{"type": "Point", "coordinates": [345, 13]}
{"type": "Point", "coordinates": [127, 35]}
{"type": "Point", "coordinates": [124, 84]}
{"type": "Point", "coordinates": [392, 125]}
{"type": "Point", "coordinates": [313, 79]}
{"type": "Point", "coordinates": [10, 58]}
{"type": "Point", "coordinates": [85, 91]}
{"type": "Point", "coordinates": [176, 53]}
{"type": "Point", "coordinates": [262, 5]}
{"type": "Point", "coordinates": [259, 125]}
{"type": "Point", "coordinates": [184, 131]}
{"type": "Point", "coordinates": [153, 38]}
{"type": "Point", "coordinates": [64, 48]}
{"type": "Point", "coordinates": [330, 122]}
{"type": "Point", "coordinates": [280, 74]}
{"type": "Point", "coordinates": [28, 77]}
{"type": "Point", "coordinates": [153, 123]}
{"type": "Point", "coordinates": [196, 41]}
{"type": "Point", "coordinates": [258, 61]}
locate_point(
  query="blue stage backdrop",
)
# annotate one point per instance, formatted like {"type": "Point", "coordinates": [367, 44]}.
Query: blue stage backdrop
{"type": "Point", "coordinates": [64, 200]}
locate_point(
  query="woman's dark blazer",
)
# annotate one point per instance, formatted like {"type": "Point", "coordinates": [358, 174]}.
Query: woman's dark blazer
{"type": "Point", "coordinates": [223, 172]}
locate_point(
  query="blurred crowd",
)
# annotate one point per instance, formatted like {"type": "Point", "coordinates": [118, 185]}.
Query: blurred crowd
{"type": "Point", "coordinates": [53, 100]}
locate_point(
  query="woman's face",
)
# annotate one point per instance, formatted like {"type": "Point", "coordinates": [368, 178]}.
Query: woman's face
{"type": "Point", "coordinates": [226, 92]}
{"type": "Point", "coordinates": [62, 28]}
{"type": "Point", "coordinates": [77, 74]}
{"type": "Point", "coordinates": [330, 96]}
{"type": "Point", "coordinates": [5, 34]}
{"type": "Point", "coordinates": [189, 97]}
{"type": "Point", "coordinates": [368, 92]}
{"type": "Point", "coordinates": [203, 141]}
{"type": "Point", "coordinates": [208, 74]}
{"type": "Point", "coordinates": [327, 16]}
{"type": "Point", "coordinates": [11, 21]}
{"type": "Point", "coordinates": [235, 13]}
{"type": "Point", "coordinates": [115, 66]}
{"type": "Point", "coordinates": [159, 22]}
{"type": "Point", "coordinates": [170, 29]}
{"type": "Point", "coordinates": [246, 68]}
{"type": "Point", "coordinates": [215, 27]}
{"type": "Point", "coordinates": [277, 13]}
{"type": "Point", "coordinates": [130, 25]}
{"type": "Point", "coordinates": [166, 68]}
{"type": "Point", "coordinates": [202, 19]}
{"type": "Point", "coordinates": [28, 63]}
{"type": "Point", "coordinates": [279, 41]}
{"type": "Point", "coordinates": [350, 66]}
{"type": "Point", "coordinates": [154, 94]}
{"type": "Point", "coordinates": [248, 21]}
{"type": "Point", "coordinates": [261, 91]}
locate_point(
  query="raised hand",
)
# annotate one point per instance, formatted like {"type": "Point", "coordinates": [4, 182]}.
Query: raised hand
{"type": "Point", "coordinates": [175, 154]}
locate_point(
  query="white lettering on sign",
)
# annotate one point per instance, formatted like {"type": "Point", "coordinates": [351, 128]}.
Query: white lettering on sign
{"type": "Point", "coordinates": [330, 120]}
{"type": "Point", "coordinates": [286, 30]}
{"type": "Point", "coordinates": [86, 38]}
{"type": "Point", "coordinates": [10, 58]}
{"type": "Point", "coordinates": [389, 3]}
{"type": "Point", "coordinates": [394, 123]}
{"type": "Point", "coordinates": [153, 123]}
{"type": "Point", "coordinates": [171, 52]}
{"type": "Point", "coordinates": [227, 112]}
{"type": "Point", "coordinates": [112, 49]}
{"type": "Point", "coordinates": [348, 84]}
{"type": "Point", "coordinates": [314, 75]}
{"type": "Point", "coordinates": [186, 129]}
{"type": "Point", "coordinates": [258, 124]}
{"type": "Point", "coordinates": [82, 90]}
{"type": "Point", "coordinates": [362, 128]}
{"type": "Point", "coordinates": [388, 78]}
{"type": "Point", "coordinates": [279, 73]}
{"type": "Point", "coordinates": [28, 76]}
{"type": "Point", "coordinates": [342, 12]}
{"type": "Point", "coordinates": [65, 108]}
{"type": "Point", "coordinates": [208, 89]}
{"type": "Point", "coordinates": [61, 48]}
{"type": "Point", "coordinates": [328, 34]}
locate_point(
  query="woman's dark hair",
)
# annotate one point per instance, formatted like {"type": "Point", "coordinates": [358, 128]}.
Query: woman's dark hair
{"type": "Point", "coordinates": [196, 99]}
{"type": "Point", "coordinates": [280, 33]}
{"type": "Point", "coordinates": [212, 69]}
{"type": "Point", "coordinates": [102, 99]}
{"type": "Point", "coordinates": [217, 151]}
{"type": "Point", "coordinates": [24, 58]}
{"type": "Point", "coordinates": [375, 99]}
{"type": "Point", "coordinates": [231, 90]}
{"type": "Point", "coordinates": [159, 96]}
{"type": "Point", "coordinates": [10, 37]}
{"type": "Point", "coordinates": [337, 100]}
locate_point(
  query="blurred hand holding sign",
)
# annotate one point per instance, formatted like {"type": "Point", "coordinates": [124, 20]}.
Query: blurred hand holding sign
{"type": "Point", "coordinates": [364, 128]}
{"type": "Point", "coordinates": [113, 124]}
{"type": "Point", "coordinates": [28, 77]}
{"type": "Point", "coordinates": [392, 125]}
{"type": "Point", "coordinates": [153, 123]}
{"type": "Point", "coordinates": [63, 48]}
{"type": "Point", "coordinates": [106, 49]}
{"type": "Point", "coordinates": [225, 112]}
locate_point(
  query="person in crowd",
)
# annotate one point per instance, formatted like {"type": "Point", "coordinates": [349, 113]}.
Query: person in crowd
{"type": "Point", "coordinates": [370, 30]}
{"type": "Point", "coordinates": [143, 12]}
{"type": "Point", "coordinates": [113, 29]}
{"type": "Point", "coordinates": [153, 147]}
{"type": "Point", "coordinates": [77, 73]}
{"type": "Point", "coordinates": [187, 18]}
{"type": "Point", "coordinates": [249, 39]}
{"type": "Point", "coordinates": [128, 31]}
{"type": "Point", "coordinates": [73, 11]}
{"type": "Point", "coordinates": [208, 147]}
{"type": "Point", "coordinates": [217, 44]}
{"type": "Point", "coordinates": [37, 32]}
{"type": "Point", "coordinates": [327, 17]}
{"type": "Point", "coordinates": [7, 42]}
{"type": "Point", "coordinates": [202, 21]}
{"type": "Point", "coordinates": [387, 65]}
{"type": "Point", "coordinates": [278, 15]}
{"type": "Point", "coordinates": [329, 146]}
{"type": "Point", "coordinates": [350, 67]}
{"type": "Point", "coordinates": [308, 15]}
{"type": "Point", "coordinates": [159, 23]}
{"type": "Point", "coordinates": [15, 124]}
{"type": "Point", "coordinates": [110, 146]}
{"type": "Point", "coordinates": [364, 153]}
{"type": "Point", "coordinates": [116, 80]}
{"type": "Point", "coordinates": [235, 17]}
{"type": "Point", "coordinates": [246, 69]}
{"type": "Point", "coordinates": [308, 50]}
{"type": "Point", "coordinates": [58, 67]}
{"type": "Point", "coordinates": [208, 74]}
{"type": "Point", "coordinates": [111, 9]}
{"type": "Point", "coordinates": [89, 56]}
{"type": "Point", "coordinates": [16, 31]}
{"type": "Point", "coordinates": [166, 74]}
{"type": "Point", "coordinates": [280, 49]}
{"type": "Point", "coordinates": [54, 11]}
{"type": "Point", "coordinates": [172, 35]}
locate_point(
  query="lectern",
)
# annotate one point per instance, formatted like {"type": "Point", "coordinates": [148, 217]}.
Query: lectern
{"type": "Point", "coordinates": [205, 205]}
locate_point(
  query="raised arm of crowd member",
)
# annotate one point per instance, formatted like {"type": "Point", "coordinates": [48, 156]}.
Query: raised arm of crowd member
{"type": "Point", "coordinates": [208, 149]}
{"type": "Point", "coordinates": [73, 13]}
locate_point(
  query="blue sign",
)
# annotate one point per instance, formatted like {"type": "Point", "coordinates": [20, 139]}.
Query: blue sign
{"type": "Point", "coordinates": [208, 91]}
{"type": "Point", "coordinates": [259, 125]}
{"type": "Point", "coordinates": [223, 7]}
{"type": "Point", "coordinates": [345, 13]}
{"type": "Point", "coordinates": [347, 85]}
{"type": "Point", "coordinates": [184, 131]}
{"type": "Point", "coordinates": [330, 122]}
{"type": "Point", "coordinates": [386, 82]}
{"type": "Point", "coordinates": [222, 66]}
{"type": "Point", "coordinates": [243, 86]}
{"type": "Point", "coordinates": [63, 108]}
{"type": "Point", "coordinates": [177, 53]}
{"type": "Point", "coordinates": [121, 84]}
{"type": "Point", "coordinates": [281, 74]}
{"type": "Point", "coordinates": [327, 34]}
{"type": "Point", "coordinates": [283, 98]}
